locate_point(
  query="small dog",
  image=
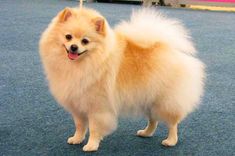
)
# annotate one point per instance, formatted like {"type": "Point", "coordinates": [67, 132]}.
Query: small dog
{"type": "Point", "coordinates": [145, 66]}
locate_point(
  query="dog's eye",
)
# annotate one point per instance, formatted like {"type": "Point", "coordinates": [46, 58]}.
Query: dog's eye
{"type": "Point", "coordinates": [68, 37]}
{"type": "Point", "coordinates": [85, 41]}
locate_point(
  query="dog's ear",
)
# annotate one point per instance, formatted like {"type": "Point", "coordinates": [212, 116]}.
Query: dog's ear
{"type": "Point", "coordinates": [99, 23]}
{"type": "Point", "coordinates": [65, 14]}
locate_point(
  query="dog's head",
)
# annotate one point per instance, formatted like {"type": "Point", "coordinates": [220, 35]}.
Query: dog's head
{"type": "Point", "coordinates": [77, 33]}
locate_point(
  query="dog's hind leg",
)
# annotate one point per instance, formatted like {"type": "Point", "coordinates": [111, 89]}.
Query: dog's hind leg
{"type": "Point", "coordinates": [172, 138]}
{"type": "Point", "coordinates": [149, 129]}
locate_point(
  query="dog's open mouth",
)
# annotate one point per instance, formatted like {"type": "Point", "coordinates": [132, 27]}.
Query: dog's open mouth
{"type": "Point", "coordinates": [73, 55]}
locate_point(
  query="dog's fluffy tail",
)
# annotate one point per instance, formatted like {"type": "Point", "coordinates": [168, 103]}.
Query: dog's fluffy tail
{"type": "Point", "coordinates": [147, 27]}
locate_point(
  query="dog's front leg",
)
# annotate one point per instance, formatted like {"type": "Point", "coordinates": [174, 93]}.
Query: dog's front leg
{"type": "Point", "coordinates": [80, 122]}
{"type": "Point", "coordinates": [100, 125]}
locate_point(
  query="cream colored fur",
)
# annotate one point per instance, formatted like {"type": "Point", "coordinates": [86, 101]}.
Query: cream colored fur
{"type": "Point", "coordinates": [146, 27]}
{"type": "Point", "coordinates": [142, 67]}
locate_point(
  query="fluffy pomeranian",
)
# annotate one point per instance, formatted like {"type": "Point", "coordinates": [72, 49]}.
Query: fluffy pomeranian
{"type": "Point", "coordinates": [145, 66]}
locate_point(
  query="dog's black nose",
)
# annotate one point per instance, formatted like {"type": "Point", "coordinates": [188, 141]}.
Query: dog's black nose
{"type": "Point", "coordinates": [73, 47]}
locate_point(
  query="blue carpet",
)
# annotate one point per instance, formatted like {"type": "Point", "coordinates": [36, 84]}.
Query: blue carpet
{"type": "Point", "coordinates": [31, 123]}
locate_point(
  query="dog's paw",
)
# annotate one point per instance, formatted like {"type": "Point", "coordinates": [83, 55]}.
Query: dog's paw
{"type": "Point", "coordinates": [91, 147]}
{"type": "Point", "coordinates": [169, 142]}
{"type": "Point", "coordinates": [143, 133]}
{"type": "Point", "coordinates": [74, 140]}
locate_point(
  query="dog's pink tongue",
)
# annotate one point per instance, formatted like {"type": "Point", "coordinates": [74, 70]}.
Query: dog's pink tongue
{"type": "Point", "coordinates": [72, 56]}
